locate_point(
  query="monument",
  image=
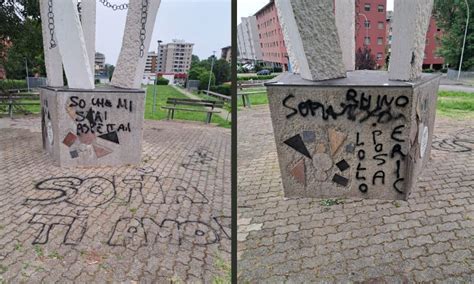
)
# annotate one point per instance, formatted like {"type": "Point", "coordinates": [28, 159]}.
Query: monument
{"type": "Point", "coordinates": [83, 125]}
{"type": "Point", "coordinates": [360, 134]}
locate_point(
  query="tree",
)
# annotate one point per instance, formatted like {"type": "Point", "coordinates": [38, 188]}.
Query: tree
{"type": "Point", "coordinates": [221, 71]}
{"type": "Point", "coordinates": [204, 80]}
{"type": "Point", "coordinates": [110, 70]}
{"type": "Point", "coordinates": [365, 60]}
{"type": "Point", "coordinates": [21, 38]}
{"type": "Point", "coordinates": [451, 16]}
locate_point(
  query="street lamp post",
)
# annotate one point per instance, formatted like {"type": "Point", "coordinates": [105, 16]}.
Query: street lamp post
{"type": "Point", "coordinates": [464, 42]}
{"type": "Point", "coordinates": [210, 74]}
{"type": "Point", "coordinates": [27, 80]}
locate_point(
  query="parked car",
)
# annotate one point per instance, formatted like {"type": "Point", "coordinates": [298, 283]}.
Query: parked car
{"type": "Point", "coordinates": [264, 72]}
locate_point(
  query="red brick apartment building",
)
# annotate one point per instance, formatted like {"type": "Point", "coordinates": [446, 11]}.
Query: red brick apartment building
{"type": "Point", "coordinates": [433, 41]}
{"type": "Point", "coordinates": [271, 37]}
{"type": "Point", "coordinates": [372, 30]}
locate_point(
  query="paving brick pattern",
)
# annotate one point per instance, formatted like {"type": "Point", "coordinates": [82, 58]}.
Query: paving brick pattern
{"type": "Point", "coordinates": [427, 238]}
{"type": "Point", "coordinates": [167, 219]}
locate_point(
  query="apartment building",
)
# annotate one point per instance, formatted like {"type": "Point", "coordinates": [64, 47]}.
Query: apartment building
{"type": "Point", "coordinates": [248, 43]}
{"type": "Point", "coordinates": [226, 53]}
{"type": "Point", "coordinates": [151, 63]}
{"type": "Point", "coordinates": [271, 38]}
{"type": "Point", "coordinates": [371, 28]}
{"type": "Point", "coordinates": [432, 58]}
{"type": "Point", "coordinates": [99, 62]}
{"type": "Point", "coordinates": [174, 57]}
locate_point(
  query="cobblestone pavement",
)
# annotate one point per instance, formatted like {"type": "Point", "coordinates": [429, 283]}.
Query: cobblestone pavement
{"type": "Point", "coordinates": [167, 219]}
{"type": "Point", "coordinates": [427, 238]}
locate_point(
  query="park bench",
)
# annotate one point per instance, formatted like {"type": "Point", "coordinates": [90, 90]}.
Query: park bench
{"type": "Point", "coordinates": [174, 104]}
{"type": "Point", "coordinates": [14, 99]}
{"type": "Point", "coordinates": [245, 94]}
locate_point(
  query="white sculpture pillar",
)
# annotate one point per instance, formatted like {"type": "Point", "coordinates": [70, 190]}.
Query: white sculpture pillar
{"type": "Point", "coordinates": [88, 21]}
{"type": "Point", "coordinates": [52, 58]}
{"type": "Point", "coordinates": [136, 41]}
{"type": "Point", "coordinates": [345, 14]}
{"type": "Point", "coordinates": [410, 25]}
{"type": "Point", "coordinates": [282, 6]}
{"type": "Point", "coordinates": [70, 39]}
{"type": "Point", "coordinates": [311, 30]}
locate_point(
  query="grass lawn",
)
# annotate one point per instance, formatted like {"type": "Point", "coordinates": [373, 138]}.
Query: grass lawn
{"type": "Point", "coordinates": [162, 94]}
{"type": "Point", "coordinates": [457, 105]}
{"type": "Point", "coordinates": [165, 92]}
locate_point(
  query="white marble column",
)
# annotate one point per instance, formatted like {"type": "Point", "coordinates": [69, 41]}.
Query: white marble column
{"type": "Point", "coordinates": [345, 22]}
{"type": "Point", "coordinates": [88, 22]}
{"type": "Point", "coordinates": [410, 25]}
{"type": "Point", "coordinates": [313, 38]}
{"type": "Point", "coordinates": [72, 47]}
{"type": "Point", "coordinates": [52, 58]}
{"type": "Point", "coordinates": [131, 64]}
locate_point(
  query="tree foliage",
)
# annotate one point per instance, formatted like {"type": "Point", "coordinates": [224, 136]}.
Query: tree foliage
{"type": "Point", "coordinates": [21, 38]}
{"type": "Point", "coordinates": [451, 18]}
{"type": "Point", "coordinates": [220, 70]}
{"type": "Point", "coordinates": [365, 60]}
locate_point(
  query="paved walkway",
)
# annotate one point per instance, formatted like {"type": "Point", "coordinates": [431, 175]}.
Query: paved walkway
{"type": "Point", "coordinates": [167, 219]}
{"type": "Point", "coordinates": [427, 238]}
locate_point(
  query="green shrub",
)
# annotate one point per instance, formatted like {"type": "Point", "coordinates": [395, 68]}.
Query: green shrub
{"type": "Point", "coordinates": [258, 77]}
{"type": "Point", "coordinates": [13, 84]}
{"type": "Point", "coordinates": [221, 89]}
{"type": "Point", "coordinates": [162, 81]}
{"type": "Point", "coordinates": [204, 80]}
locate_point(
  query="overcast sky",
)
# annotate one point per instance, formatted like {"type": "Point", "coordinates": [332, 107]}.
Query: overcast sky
{"type": "Point", "coordinates": [206, 23]}
{"type": "Point", "coordinates": [247, 8]}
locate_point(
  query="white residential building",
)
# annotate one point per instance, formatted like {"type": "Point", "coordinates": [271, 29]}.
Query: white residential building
{"type": "Point", "coordinates": [174, 57]}
{"type": "Point", "coordinates": [248, 44]}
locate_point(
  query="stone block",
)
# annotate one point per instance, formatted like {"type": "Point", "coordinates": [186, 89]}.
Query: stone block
{"type": "Point", "coordinates": [372, 136]}
{"type": "Point", "coordinates": [310, 32]}
{"type": "Point", "coordinates": [101, 127]}
{"type": "Point", "coordinates": [410, 25]}
{"type": "Point", "coordinates": [345, 23]}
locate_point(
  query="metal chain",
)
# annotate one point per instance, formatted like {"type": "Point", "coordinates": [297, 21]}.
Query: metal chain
{"type": "Point", "coordinates": [143, 29]}
{"type": "Point", "coordinates": [52, 41]}
{"type": "Point", "coordinates": [114, 6]}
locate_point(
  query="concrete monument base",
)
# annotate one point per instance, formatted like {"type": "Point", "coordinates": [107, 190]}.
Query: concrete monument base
{"type": "Point", "coordinates": [358, 137]}
{"type": "Point", "coordinates": [100, 127]}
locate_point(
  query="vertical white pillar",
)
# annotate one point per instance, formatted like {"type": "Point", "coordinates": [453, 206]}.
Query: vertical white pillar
{"type": "Point", "coordinates": [345, 22]}
{"type": "Point", "coordinates": [70, 39]}
{"type": "Point", "coordinates": [131, 62]}
{"type": "Point", "coordinates": [88, 21]}
{"type": "Point", "coordinates": [282, 6]}
{"type": "Point", "coordinates": [311, 30]}
{"type": "Point", "coordinates": [410, 25]}
{"type": "Point", "coordinates": [52, 58]}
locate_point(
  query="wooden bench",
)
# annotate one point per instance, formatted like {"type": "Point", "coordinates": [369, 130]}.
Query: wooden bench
{"type": "Point", "coordinates": [174, 104]}
{"type": "Point", "coordinates": [13, 98]}
{"type": "Point", "coordinates": [217, 95]}
{"type": "Point", "coordinates": [245, 94]}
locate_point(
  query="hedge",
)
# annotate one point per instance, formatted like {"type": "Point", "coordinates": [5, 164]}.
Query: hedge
{"type": "Point", "coordinates": [221, 89]}
{"type": "Point", "coordinates": [258, 77]}
{"type": "Point", "coordinates": [162, 81]}
{"type": "Point", "coordinates": [13, 84]}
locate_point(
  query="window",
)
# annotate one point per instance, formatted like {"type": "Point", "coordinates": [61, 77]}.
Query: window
{"type": "Point", "coordinates": [367, 7]}
{"type": "Point", "coordinates": [380, 8]}
{"type": "Point", "coordinates": [367, 40]}
{"type": "Point", "coordinates": [367, 24]}
{"type": "Point", "coordinates": [380, 40]}
{"type": "Point", "coordinates": [380, 25]}
{"type": "Point", "coordinates": [379, 56]}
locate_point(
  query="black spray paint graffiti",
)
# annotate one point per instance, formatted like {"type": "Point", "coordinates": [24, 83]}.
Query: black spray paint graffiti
{"type": "Point", "coordinates": [199, 160]}
{"type": "Point", "coordinates": [148, 188]}
{"type": "Point", "coordinates": [381, 157]}
{"type": "Point", "coordinates": [454, 145]}
{"type": "Point", "coordinates": [383, 109]}
{"type": "Point", "coordinates": [76, 227]}
{"type": "Point", "coordinates": [83, 192]}
{"type": "Point", "coordinates": [138, 232]}
{"type": "Point", "coordinates": [95, 119]}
